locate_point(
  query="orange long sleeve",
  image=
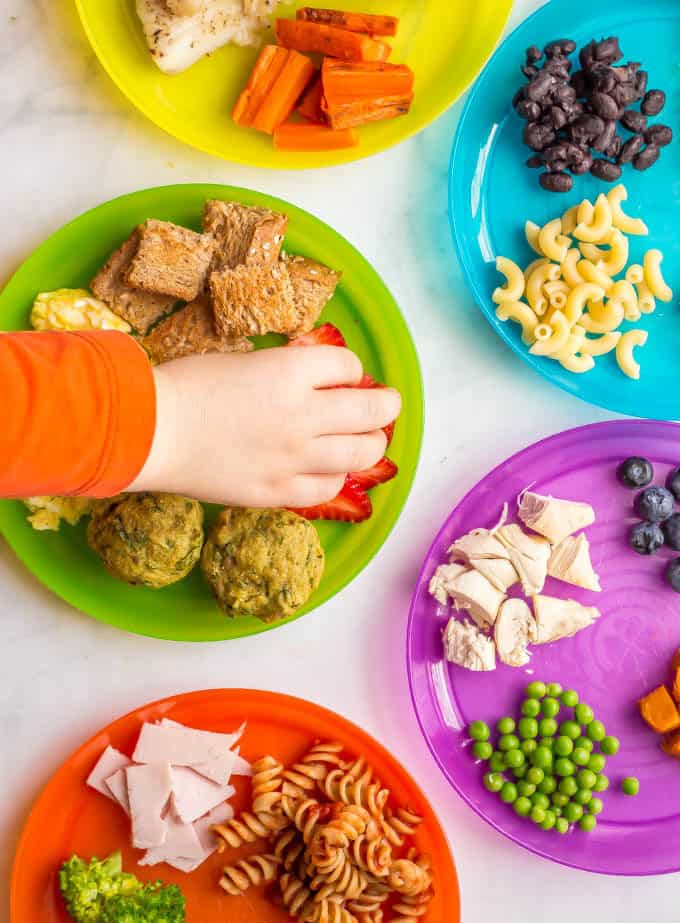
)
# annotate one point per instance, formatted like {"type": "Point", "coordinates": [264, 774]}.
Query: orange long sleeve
{"type": "Point", "coordinates": [78, 413]}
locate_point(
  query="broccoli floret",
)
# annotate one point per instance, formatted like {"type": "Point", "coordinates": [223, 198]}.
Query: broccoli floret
{"type": "Point", "coordinates": [155, 903]}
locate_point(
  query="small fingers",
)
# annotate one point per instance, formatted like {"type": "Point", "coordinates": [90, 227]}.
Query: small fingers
{"type": "Point", "coordinates": [331, 366]}
{"type": "Point", "coordinates": [311, 490]}
{"type": "Point", "coordinates": [353, 410]}
{"type": "Point", "coordinates": [344, 454]}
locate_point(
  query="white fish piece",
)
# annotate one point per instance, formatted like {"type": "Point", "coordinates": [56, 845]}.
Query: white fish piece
{"type": "Point", "coordinates": [529, 555]}
{"type": "Point", "coordinates": [570, 562]}
{"type": "Point", "coordinates": [442, 579]}
{"type": "Point", "coordinates": [554, 519]}
{"type": "Point", "coordinates": [465, 645]}
{"type": "Point", "coordinates": [177, 42]}
{"type": "Point", "coordinates": [514, 630]}
{"type": "Point", "coordinates": [149, 789]}
{"type": "Point", "coordinates": [483, 551]}
{"type": "Point", "coordinates": [561, 618]}
{"type": "Point", "coordinates": [472, 592]}
{"type": "Point", "coordinates": [184, 7]}
{"type": "Point", "coordinates": [181, 842]}
{"type": "Point", "coordinates": [117, 785]}
{"type": "Point", "coordinates": [109, 763]}
{"type": "Point", "coordinates": [193, 795]}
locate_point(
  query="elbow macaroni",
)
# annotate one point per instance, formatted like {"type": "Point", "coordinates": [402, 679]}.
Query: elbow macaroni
{"type": "Point", "coordinates": [623, 222]}
{"type": "Point", "coordinates": [514, 281]}
{"type": "Point", "coordinates": [624, 352]}
{"type": "Point", "coordinates": [552, 242]}
{"type": "Point", "coordinates": [654, 280]}
{"type": "Point", "coordinates": [595, 231]}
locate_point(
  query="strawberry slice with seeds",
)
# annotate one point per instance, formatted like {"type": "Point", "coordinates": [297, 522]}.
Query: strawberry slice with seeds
{"type": "Point", "coordinates": [325, 335]}
{"type": "Point", "coordinates": [352, 504]}
{"type": "Point", "coordinates": [384, 471]}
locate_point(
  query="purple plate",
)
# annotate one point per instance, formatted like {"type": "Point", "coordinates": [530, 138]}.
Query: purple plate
{"type": "Point", "coordinates": [625, 654]}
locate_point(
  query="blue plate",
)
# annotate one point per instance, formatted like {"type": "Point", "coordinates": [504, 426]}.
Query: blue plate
{"type": "Point", "coordinates": [492, 193]}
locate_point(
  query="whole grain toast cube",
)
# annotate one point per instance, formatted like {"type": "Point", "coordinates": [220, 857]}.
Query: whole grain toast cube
{"type": "Point", "coordinates": [253, 300]}
{"type": "Point", "coordinates": [140, 309]}
{"type": "Point", "coordinates": [190, 331]}
{"type": "Point", "coordinates": [171, 260]}
{"type": "Point", "coordinates": [313, 287]}
{"type": "Point", "coordinates": [243, 234]}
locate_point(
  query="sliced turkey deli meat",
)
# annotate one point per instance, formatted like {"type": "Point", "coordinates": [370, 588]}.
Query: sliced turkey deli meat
{"type": "Point", "coordinates": [179, 745]}
{"type": "Point", "coordinates": [193, 795]}
{"type": "Point", "coordinates": [117, 785]}
{"type": "Point", "coordinates": [149, 790]}
{"type": "Point", "coordinates": [181, 842]}
{"type": "Point", "coordinates": [206, 838]}
{"type": "Point", "coordinates": [109, 763]}
{"type": "Point", "coordinates": [552, 518]}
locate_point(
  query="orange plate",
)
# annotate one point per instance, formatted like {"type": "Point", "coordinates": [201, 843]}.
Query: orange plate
{"type": "Point", "coordinates": [70, 818]}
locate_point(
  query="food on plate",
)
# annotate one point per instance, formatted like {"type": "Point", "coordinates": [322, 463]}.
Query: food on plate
{"type": "Point", "coordinates": [170, 260]}
{"type": "Point", "coordinates": [572, 116]}
{"type": "Point", "coordinates": [367, 23]}
{"type": "Point", "coordinates": [73, 309]}
{"type": "Point", "coordinates": [181, 32]}
{"type": "Point", "coordinates": [630, 785]}
{"type": "Point", "coordinates": [660, 711]}
{"type": "Point", "coordinates": [243, 234]}
{"type": "Point", "coordinates": [655, 504]}
{"type": "Point", "coordinates": [319, 38]}
{"type": "Point", "coordinates": [549, 766]}
{"type": "Point", "coordinates": [47, 513]}
{"type": "Point", "coordinates": [485, 563]}
{"type": "Point", "coordinates": [646, 537]}
{"type": "Point", "coordinates": [636, 472]}
{"type": "Point", "coordinates": [277, 82]}
{"type": "Point", "coordinates": [571, 291]}
{"type": "Point", "coordinates": [353, 94]}
{"type": "Point", "coordinates": [292, 136]}
{"type": "Point", "coordinates": [673, 574]}
{"type": "Point", "coordinates": [332, 842]}
{"type": "Point", "coordinates": [147, 539]}
{"type": "Point", "coordinates": [99, 891]}
{"type": "Point", "coordinates": [264, 563]}
{"type": "Point", "coordinates": [188, 332]}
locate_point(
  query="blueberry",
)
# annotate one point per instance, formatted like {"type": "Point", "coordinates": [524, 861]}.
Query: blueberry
{"type": "Point", "coordinates": [654, 504]}
{"type": "Point", "coordinates": [673, 483]}
{"type": "Point", "coordinates": [636, 472]}
{"type": "Point", "coordinates": [646, 537]}
{"type": "Point", "coordinates": [671, 531]}
{"type": "Point", "coordinates": [673, 574]}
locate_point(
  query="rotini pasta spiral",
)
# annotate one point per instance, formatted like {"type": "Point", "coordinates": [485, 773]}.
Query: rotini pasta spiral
{"type": "Point", "coordinates": [345, 881]}
{"type": "Point", "coordinates": [371, 900]}
{"type": "Point", "coordinates": [328, 912]}
{"type": "Point", "coordinates": [306, 815]}
{"type": "Point", "coordinates": [303, 778]}
{"type": "Point", "coordinates": [412, 909]}
{"type": "Point", "coordinates": [249, 873]}
{"type": "Point", "coordinates": [247, 828]}
{"type": "Point", "coordinates": [374, 856]}
{"type": "Point", "coordinates": [359, 790]}
{"type": "Point", "coordinates": [403, 823]}
{"type": "Point", "coordinates": [295, 895]}
{"type": "Point", "coordinates": [266, 785]}
{"type": "Point", "coordinates": [409, 878]}
{"type": "Point", "coordinates": [288, 847]}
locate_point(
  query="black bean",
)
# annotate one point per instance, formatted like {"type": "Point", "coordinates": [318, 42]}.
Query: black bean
{"type": "Point", "coordinates": [558, 67]}
{"type": "Point", "coordinates": [641, 79]}
{"type": "Point", "coordinates": [587, 55]}
{"type": "Point", "coordinates": [634, 121]}
{"type": "Point", "coordinates": [604, 80]}
{"type": "Point", "coordinates": [625, 94]}
{"type": "Point", "coordinates": [539, 86]}
{"type": "Point", "coordinates": [653, 102]}
{"type": "Point", "coordinates": [537, 136]}
{"type": "Point", "coordinates": [562, 46]}
{"type": "Point", "coordinates": [529, 71]}
{"type": "Point", "coordinates": [534, 161]}
{"type": "Point", "coordinates": [605, 138]}
{"type": "Point", "coordinates": [606, 170]}
{"type": "Point", "coordinates": [646, 158]}
{"type": "Point", "coordinates": [556, 182]}
{"type": "Point", "coordinates": [605, 105]}
{"type": "Point", "coordinates": [614, 148]}
{"type": "Point", "coordinates": [659, 135]}
{"type": "Point", "coordinates": [625, 73]}
{"type": "Point", "coordinates": [555, 151]}
{"type": "Point", "coordinates": [563, 93]}
{"type": "Point", "coordinates": [557, 166]}
{"type": "Point", "coordinates": [528, 109]}
{"type": "Point", "coordinates": [583, 166]}
{"type": "Point", "coordinates": [533, 54]}
{"type": "Point", "coordinates": [632, 147]}
{"type": "Point", "coordinates": [607, 50]}
{"type": "Point", "coordinates": [559, 117]}
{"type": "Point", "coordinates": [586, 127]}
{"type": "Point", "coordinates": [574, 153]}
{"type": "Point", "coordinates": [579, 83]}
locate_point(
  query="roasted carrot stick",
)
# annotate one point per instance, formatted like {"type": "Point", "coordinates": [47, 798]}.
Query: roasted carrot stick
{"type": "Point", "coordinates": [265, 73]}
{"type": "Point", "coordinates": [368, 23]}
{"type": "Point", "coordinates": [289, 85]}
{"type": "Point", "coordinates": [301, 137]}
{"type": "Point", "coordinates": [310, 104]}
{"type": "Point", "coordinates": [363, 79]}
{"type": "Point", "coordinates": [327, 40]}
{"type": "Point", "coordinates": [351, 113]}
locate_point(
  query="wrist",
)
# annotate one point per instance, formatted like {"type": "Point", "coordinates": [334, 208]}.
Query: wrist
{"type": "Point", "coordinates": [162, 460]}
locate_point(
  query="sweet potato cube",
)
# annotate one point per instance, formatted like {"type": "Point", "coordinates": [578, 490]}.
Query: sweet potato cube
{"type": "Point", "coordinates": [660, 711]}
{"type": "Point", "coordinates": [671, 744]}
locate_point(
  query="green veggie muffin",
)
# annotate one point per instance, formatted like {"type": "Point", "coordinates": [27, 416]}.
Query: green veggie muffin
{"type": "Point", "coordinates": [147, 539]}
{"type": "Point", "coordinates": [265, 563]}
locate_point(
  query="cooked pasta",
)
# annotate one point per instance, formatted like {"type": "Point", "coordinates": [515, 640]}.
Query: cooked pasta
{"type": "Point", "coordinates": [249, 873]}
{"type": "Point", "coordinates": [266, 785]}
{"type": "Point", "coordinates": [401, 824]}
{"type": "Point", "coordinates": [514, 281]}
{"type": "Point", "coordinates": [552, 242]}
{"type": "Point", "coordinates": [653, 277]}
{"type": "Point", "coordinates": [559, 327]}
{"type": "Point", "coordinates": [645, 300]}
{"type": "Point", "coordinates": [624, 352]}
{"type": "Point", "coordinates": [304, 777]}
{"type": "Point", "coordinates": [596, 230]}
{"type": "Point", "coordinates": [247, 828]}
{"type": "Point", "coordinates": [570, 273]}
{"type": "Point", "coordinates": [523, 315]}
{"type": "Point", "coordinates": [600, 345]}
{"type": "Point", "coordinates": [532, 231]}
{"type": "Point", "coordinates": [594, 274]}
{"type": "Point", "coordinates": [624, 222]}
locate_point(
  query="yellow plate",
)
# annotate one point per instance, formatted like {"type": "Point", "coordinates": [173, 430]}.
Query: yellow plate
{"type": "Point", "coordinates": [446, 42]}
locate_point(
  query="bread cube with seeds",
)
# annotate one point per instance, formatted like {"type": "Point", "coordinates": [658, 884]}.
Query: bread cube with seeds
{"type": "Point", "coordinates": [253, 301]}
{"type": "Point", "coordinates": [313, 287]}
{"type": "Point", "coordinates": [243, 234]}
{"type": "Point", "coordinates": [190, 331]}
{"type": "Point", "coordinates": [170, 260]}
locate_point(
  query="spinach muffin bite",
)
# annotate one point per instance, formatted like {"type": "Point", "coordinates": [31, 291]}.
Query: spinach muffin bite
{"type": "Point", "coordinates": [147, 539]}
{"type": "Point", "coordinates": [265, 563]}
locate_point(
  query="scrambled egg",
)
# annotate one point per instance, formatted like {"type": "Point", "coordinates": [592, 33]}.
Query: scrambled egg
{"type": "Point", "coordinates": [74, 309]}
{"type": "Point", "coordinates": [48, 512]}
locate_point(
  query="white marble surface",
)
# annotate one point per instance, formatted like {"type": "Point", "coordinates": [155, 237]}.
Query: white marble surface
{"type": "Point", "coordinates": [69, 140]}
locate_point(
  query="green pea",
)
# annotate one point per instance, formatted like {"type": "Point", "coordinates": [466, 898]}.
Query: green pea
{"type": "Point", "coordinates": [588, 822]}
{"type": "Point", "coordinates": [583, 713]}
{"type": "Point", "coordinates": [526, 788]}
{"type": "Point", "coordinates": [563, 746]}
{"type": "Point", "coordinates": [531, 708]}
{"type": "Point", "coordinates": [479, 730]}
{"type": "Point", "coordinates": [546, 742]}
{"type": "Point", "coordinates": [497, 761]}
{"type": "Point", "coordinates": [493, 781]}
{"type": "Point", "coordinates": [514, 759]}
{"type": "Point", "coordinates": [549, 820]}
{"type": "Point", "coordinates": [585, 743]}
{"type": "Point", "coordinates": [560, 800]}
{"type": "Point", "coordinates": [554, 689]}
{"type": "Point", "coordinates": [610, 745]}
{"type": "Point", "coordinates": [562, 825]}
{"type": "Point", "coordinates": [535, 775]}
{"type": "Point", "coordinates": [550, 707]}
{"type": "Point", "coordinates": [596, 730]}
{"type": "Point", "coordinates": [595, 806]}
{"type": "Point", "coordinates": [508, 742]}
{"type": "Point", "coordinates": [528, 746]}
{"type": "Point", "coordinates": [527, 728]}
{"type": "Point", "coordinates": [573, 812]}
{"type": "Point", "coordinates": [586, 778]}
{"type": "Point", "coordinates": [537, 814]}
{"type": "Point", "coordinates": [630, 785]}
{"type": "Point", "coordinates": [542, 757]}
{"type": "Point", "coordinates": [505, 726]}
{"type": "Point", "coordinates": [482, 750]}
{"type": "Point", "coordinates": [540, 800]}
{"type": "Point", "coordinates": [569, 698]}
{"type": "Point", "coordinates": [556, 811]}
{"type": "Point", "coordinates": [547, 727]}
{"type": "Point", "coordinates": [597, 762]}
{"type": "Point", "coordinates": [602, 783]}
{"type": "Point", "coordinates": [522, 806]}
{"type": "Point", "coordinates": [519, 772]}
{"type": "Point", "coordinates": [548, 785]}
{"type": "Point", "coordinates": [580, 756]}
{"type": "Point", "coordinates": [508, 792]}
{"type": "Point", "coordinates": [570, 729]}
{"type": "Point", "coordinates": [568, 786]}
{"type": "Point", "coordinates": [583, 796]}
{"type": "Point", "coordinates": [536, 690]}
{"type": "Point", "coordinates": [564, 767]}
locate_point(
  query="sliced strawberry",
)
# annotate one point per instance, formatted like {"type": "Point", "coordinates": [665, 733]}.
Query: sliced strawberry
{"type": "Point", "coordinates": [325, 335]}
{"type": "Point", "coordinates": [369, 382]}
{"type": "Point", "coordinates": [352, 504]}
{"type": "Point", "coordinates": [384, 471]}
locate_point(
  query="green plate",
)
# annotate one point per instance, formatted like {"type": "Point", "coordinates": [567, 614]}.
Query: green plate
{"type": "Point", "coordinates": [445, 42]}
{"type": "Point", "coordinates": [362, 308]}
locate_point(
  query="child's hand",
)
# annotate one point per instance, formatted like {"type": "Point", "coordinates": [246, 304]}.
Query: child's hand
{"type": "Point", "coordinates": [263, 429]}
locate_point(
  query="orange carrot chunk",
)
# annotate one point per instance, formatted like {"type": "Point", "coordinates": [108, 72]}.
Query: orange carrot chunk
{"type": "Point", "coordinates": [328, 40]}
{"type": "Point", "coordinates": [671, 744]}
{"type": "Point", "coordinates": [365, 79]}
{"type": "Point", "coordinates": [300, 137]}
{"type": "Point", "coordinates": [659, 711]}
{"type": "Point", "coordinates": [368, 23]}
{"type": "Point", "coordinates": [355, 112]}
{"type": "Point", "coordinates": [289, 85]}
{"type": "Point", "coordinates": [310, 104]}
{"type": "Point", "coordinates": [265, 73]}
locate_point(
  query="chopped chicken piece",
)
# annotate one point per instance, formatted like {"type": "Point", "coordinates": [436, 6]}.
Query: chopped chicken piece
{"type": "Point", "coordinates": [552, 518]}
{"type": "Point", "coordinates": [472, 592]}
{"type": "Point", "coordinates": [514, 629]}
{"type": "Point", "coordinates": [117, 785]}
{"type": "Point", "coordinates": [465, 645]}
{"type": "Point", "coordinates": [570, 562]}
{"type": "Point", "coordinates": [442, 579]}
{"type": "Point", "coordinates": [109, 763]}
{"type": "Point", "coordinates": [149, 788]}
{"type": "Point", "coordinates": [193, 795]}
{"type": "Point", "coordinates": [561, 618]}
{"type": "Point", "coordinates": [482, 550]}
{"type": "Point", "coordinates": [529, 555]}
